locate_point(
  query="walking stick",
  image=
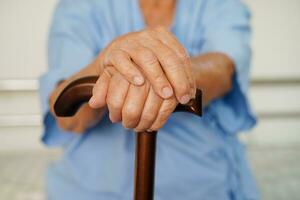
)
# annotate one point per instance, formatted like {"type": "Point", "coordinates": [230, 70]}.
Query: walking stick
{"type": "Point", "coordinates": [79, 91]}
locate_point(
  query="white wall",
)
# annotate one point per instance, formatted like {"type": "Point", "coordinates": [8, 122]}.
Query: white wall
{"type": "Point", "coordinates": [23, 35]}
{"type": "Point", "coordinates": [275, 91]}
{"type": "Point", "coordinates": [276, 38]}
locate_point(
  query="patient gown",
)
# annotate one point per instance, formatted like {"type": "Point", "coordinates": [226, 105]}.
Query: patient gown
{"type": "Point", "coordinates": [197, 158]}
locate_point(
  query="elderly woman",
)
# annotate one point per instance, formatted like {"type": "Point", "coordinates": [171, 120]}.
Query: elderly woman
{"type": "Point", "coordinates": [151, 55]}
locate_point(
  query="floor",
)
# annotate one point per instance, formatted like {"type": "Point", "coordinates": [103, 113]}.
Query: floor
{"type": "Point", "coordinates": [277, 172]}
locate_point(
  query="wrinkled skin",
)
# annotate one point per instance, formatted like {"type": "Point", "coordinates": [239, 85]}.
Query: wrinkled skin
{"type": "Point", "coordinates": [138, 107]}
{"type": "Point", "coordinates": [153, 54]}
{"type": "Point", "coordinates": [161, 65]}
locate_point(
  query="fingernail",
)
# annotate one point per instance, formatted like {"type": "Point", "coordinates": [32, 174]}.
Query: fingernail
{"type": "Point", "coordinates": [167, 92]}
{"type": "Point", "coordinates": [185, 99]}
{"type": "Point", "coordinates": [92, 101]}
{"type": "Point", "coordinates": [138, 80]}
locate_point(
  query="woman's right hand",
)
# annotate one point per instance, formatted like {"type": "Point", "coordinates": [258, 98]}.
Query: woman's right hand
{"type": "Point", "coordinates": [152, 54]}
{"type": "Point", "coordinates": [137, 107]}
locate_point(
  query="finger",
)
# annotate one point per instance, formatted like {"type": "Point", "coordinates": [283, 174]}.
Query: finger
{"type": "Point", "coordinates": [98, 99]}
{"type": "Point", "coordinates": [148, 62]}
{"type": "Point", "coordinates": [123, 64]}
{"type": "Point", "coordinates": [169, 40]}
{"type": "Point", "coordinates": [173, 68]}
{"type": "Point", "coordinates": [150, 111]}
{"type": "Point", "coordinates": [166, 109]}
{"type": "Point", "coordinates": [133, 106]}
{"type": "Point", "coordinates": [116, 96]}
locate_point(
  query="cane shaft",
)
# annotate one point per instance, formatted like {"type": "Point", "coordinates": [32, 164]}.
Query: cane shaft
{"type": "Point", "coordinates": [79, 91]}
{"type": "Point", "coordinates": [145, 165]}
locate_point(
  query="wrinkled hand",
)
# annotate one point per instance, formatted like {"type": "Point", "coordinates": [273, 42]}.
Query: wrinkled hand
{"type": "Point", "coordinates": [138, 107]}
{"type": "Point", "coordinates": [154, 55]}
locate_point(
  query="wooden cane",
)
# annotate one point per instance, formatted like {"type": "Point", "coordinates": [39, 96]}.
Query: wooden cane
{"type": "Point", "coordinates": [79, 91]}
{"type": "Point", "coordinates": [145, 165]}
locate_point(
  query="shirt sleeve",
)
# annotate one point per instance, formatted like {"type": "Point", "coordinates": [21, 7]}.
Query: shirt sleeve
{"type": "Point", "coordinates": [71, 46]}
{"type": "Point", "coordinates": [226, 29]}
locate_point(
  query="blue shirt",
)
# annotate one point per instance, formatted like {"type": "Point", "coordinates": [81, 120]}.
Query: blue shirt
{"type": "Point", "coordinates": [197, 158]}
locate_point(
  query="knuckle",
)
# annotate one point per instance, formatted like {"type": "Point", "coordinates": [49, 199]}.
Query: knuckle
{"type": "Point", "coordinates": [182, 53]}
{"type": "Point", "coordinates": [130, 114]}
{"type": "Point", "coordinates": [108, 58]}
{"type": "Point", "coordinates": [115, 54]}
{"type": "Point", "coordinates": [148, 117]}
{"type": "Point", "coordinates": [158, 78]}
{"type": "Point", "coordinates": [183, 88]}
{"type": "Point", "coordinates": [114, 105]}
{"type": "Point", "coordinates": [172, 62]}
{"type": "Point", "coordinates": [130, 74]}
{"type": "Point", "coordinates": [126, 41]}
{"type": "Point", "coordinates": [147, 56]}
{"type": "Point", "coordinates": [172, 103]}
{"type": "Point", "coordinates": [117, 57]}
{"type": "Point", "coordinates": [164, 114]}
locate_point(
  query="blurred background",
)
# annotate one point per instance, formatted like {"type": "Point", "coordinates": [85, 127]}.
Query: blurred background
{"type": "Point", "coordinates": [273, 146]}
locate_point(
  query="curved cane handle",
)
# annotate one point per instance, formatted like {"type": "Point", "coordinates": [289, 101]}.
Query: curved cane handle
{"type": "Point", "coordinates": [80, 91]}
{"type": "Point", "coordinates": [74, 95]}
